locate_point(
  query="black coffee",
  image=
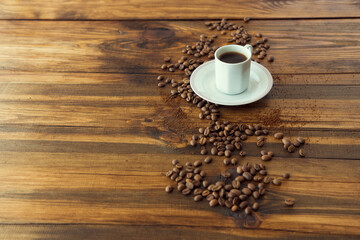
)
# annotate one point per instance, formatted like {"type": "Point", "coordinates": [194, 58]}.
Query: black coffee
{"type": "Point", "coordinates": [232, 57]}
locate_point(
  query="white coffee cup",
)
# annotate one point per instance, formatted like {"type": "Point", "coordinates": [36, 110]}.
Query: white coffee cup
{"type": "Point", "coordinates": [233, 78]}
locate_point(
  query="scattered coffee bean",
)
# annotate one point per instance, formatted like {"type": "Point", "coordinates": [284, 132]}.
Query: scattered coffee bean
{"type": "Point", "coordinates": [286, 175]}
{"type": "Point", "coordinates": [161, 84]}
{"type": "Point", "coordinates": [289, 202]}
{"type": "Point", "coordinates": [248, 210]}
{"type": "Point", "coordinates": [270, 58]}
{"type": "Point", "coordinates": [276, 182]}
{"type": "Point", "coordinates": [246, 19]}
{"type": "Point", "coordinates": [208, 160]}
{"type": "Point", "coordinates": [193, 142]}
{"type": "Point", "coordinates": [198, 198]}
{"type": "Point", "coordinates": [242, 153]}
{"type": "Point", "coordinates": [291, 148]}
{"type": "Point", "coordinates": [301, 140]}
{"type": "Point", "coordinates": [234, 161]}
{"type": "Point", "coordinates": [301, 152]}
{"type": "Point", "coordinates": [278, 135]}
{"type": "Point", "coordinates": [167, 59]}
{"type": "Point", "coordinates": [266, 157]}
{"type": "Point", "coordinates": [204, 151]}
{"type": "Point", "coordinates": [169, 189]}
{"type": "Point", "coordinates": [227, 161]}
{"type": "Point", "coordinates": [255, 206]}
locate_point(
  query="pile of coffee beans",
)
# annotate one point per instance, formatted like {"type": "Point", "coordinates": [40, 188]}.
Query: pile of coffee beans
{"type": "Point", "coordinates": [238, 189]}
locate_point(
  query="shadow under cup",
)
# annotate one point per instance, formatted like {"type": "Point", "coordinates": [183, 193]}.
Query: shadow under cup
{"type": "Point", "coordinates": [233, 78]}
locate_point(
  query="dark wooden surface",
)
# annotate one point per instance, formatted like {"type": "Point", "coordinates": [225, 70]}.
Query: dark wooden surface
{"type": "Point", "coordinates": [85, 134]}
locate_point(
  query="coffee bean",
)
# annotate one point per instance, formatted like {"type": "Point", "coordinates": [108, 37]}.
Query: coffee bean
{"type": "Point", "coordinates": [234, 208]}
{"type": "Point", "coordinates": [167, 59]}
{"type": "Point", "coordinates": [230, 147]}
{"type": "Point", "coordinates": [227, 153]}
{"type": "Point", "coordinates": [258, 132]}
{"type": "Point", "coordinates": [174, 162]}
{"type": "Point", "coordinates": [248, 210]}
{"type": "Point", "coordinates": [160, 78]}
{"type": "Point", "coordinates": [276, 182]}
{"type": "Point", "coordinates": [198, 198]}
{"type": "Point", "coordinates": [247, 176]}
{"type": "Point", "coordinates": [255, 206]}
{"type": "Point", "coordinates": [263, 152]}
{"type": "Point", "coordinates": [210, 197]}
{"type": "Point", "coordinates": [227, 161]}
{"type": "Point", "coordinates": [266, 157]}
{"type": "Point", "coordinates": [260, 138]}
{"type": "Point", "coordinates": [242, 153]}
{"type": "Point", "coordinates": [265, 131]}
{"type": "Point", "coordinates": [169, 173]}
{"type": "Point", "coordinates": [251, 186]}
{"type": "Point", "coordinates": [193, 142]}
{"type": "Point", "coordinates": [249, 132]}
{"type": "Point", "coordinates": [164, 66]}
{"type": "Point", "coordinates": [214, 151]}
{"type": "Point", "coordinates": [208, 160]}
{"type": "Point", "coordinates": [296, 144]}
{"type": "Point", "coordinates": [246, 19]}
{"type": "Point", "coordinates": [243, 137]}
{"type": "Point", "coordinates": [204, 151]}
{"type": "Point", "coordinates": [189, 175]}
{"type": "Point", "coordinates": [278, 135]}
{"type": "Point", "coordinates": [202, 141]}
{"type": "Point", "coordinates": [286, 175]}
{"type": "Point", "coordinates": [181, 187]}
{"type": "Point", "coordinates": [197, 163]}
{"type": "Point", "coordinates": [289, 202]}
{"type": "Point", "coordinates": [161, 84]}
{"type": "Point", "coordinates": [213, 203]}
{"type": "Point", "coordinates": [260, 143]}
{"type": "Point", "coordinates": [169, 189]}
{"type": "Point", "coordinates": [256, 195]}
{"type": "Point", "coordinates": [258, 35]}
{"type": "Point", "coordinates": [234, 161]}
{"type": "Point", "coordinates": [301, 152]}
{"type": "Point", "coordinates": [267, 179]}
{"type": "Point", "coordinates": [270, 58]}
{"type": "Point", "coordinates": [236, 184]}
{"type": "Point", "coordinates": [301, 140]}
{"type": "Point", "coordinates": [243, 204]}
{"type": "Point", "coordinates": [263, 172]}
{"type": "Point", "coordinates": [271, 154]}
{"type": "Point", "coordinates": [186, 191]}
{"type": "Point", "coordinates": [286, 141]}
{"type": "Point", "coordinates": [291, 148]}
{"type": "Point", "coordinates": [246, 191]}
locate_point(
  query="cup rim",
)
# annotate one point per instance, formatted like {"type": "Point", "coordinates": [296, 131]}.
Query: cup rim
{"type": "Point", "coordinates": [232, 45]}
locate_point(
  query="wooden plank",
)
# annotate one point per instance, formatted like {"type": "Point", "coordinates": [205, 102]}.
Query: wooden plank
{"type": "Point", "coordinates": [128, 47]}
{"type": "Point", "coordinates": [136, 9]}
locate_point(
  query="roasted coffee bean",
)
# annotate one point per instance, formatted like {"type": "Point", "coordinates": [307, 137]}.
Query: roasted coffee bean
{"type": "Point", "coordinates": [214, 151]}
{"type": "Point", "coordinates": [258, 132]}
{"type": "Point", "coordinates": [210, 197]}
{"type": "Point", "coordinates": [197, 170]}
{"type": "Point", "coordinates": [242, 153]}
{"type": "Point", "coordinates": [263, 172]}
{"type": "Point", "coordinates": [246, 191]}
{"type": "Point", "coordinates": [271, 154]}
{"type": "Point", "coordinates": [257, 178]}
{"type": "Point", "coordinates": [197, 177]}
{"type": "Point", "coordinates": [164, 66]}
{"type": "Point", "coordinates": [202, 173]}
{"type": "Point", "coordinates": [167, 59]}
{"type": "Point", "coordinates": [260, 143]}
{"type": "Point", "coordinates": [270, 58]}
{"type": "Point", "coordinates": [236, 184]}
{"type": "Point", "coordinates": [161, 84]}
{"type": "Point", "coordinates": [220, 153]}
{"type": "Point", "coordinates": [252, 171]}
{"type": "Point", "coordinates": [263, 152]}
{"type": "Point", "coordinates": [188, 164]}
{"type": "Point", "coordinates": [228, 204]}
{"type": "Point", "coordinates": [249, 132]}
{"type": "Point", "coordinates": [296, 144]}
{"type": "Point", "coordinates": [243, 137]}
{"type": "Point", "coordinates": [208, 160]}
{"type": "Point", "coordinates": [198, 198]}
{"type": "Point", "coordinates": [202, 141]}
{"type": "Point", "coordinates": [266, 157]}
{"type": "Point", "coordinates": [174, 176]}
{"type": "Point", "coordinates": [181, 187]}
{"type": "Point", "coordinates": [267, 179]}
{"type": "Point", "coordinates": [255, 206]}
{"type": "Point", "coordinates": [204, 151]}
{"type": "Point", "coordinates": [243, 204]}
{"type": "Point", "coordinates": [238, 146]}
{"type": "Point", "coordinates": [221, 201]}
{"type": "Point", "coordinates": [182, 173]}
{"type": "Point", "coordinates": [276, 182]}
{"type": "Point", "coordinates": [278, 135]}
{"type": "Point", "coordinates": [169, 189]}
{"type": "Point", "coordinates": [251, 186]}
{"type": "Point", "coordinates": [227, 161]}
{"type": "Point", "coordinates": [193, 142]}
{"type": "Point", "coordinates": [234, 208]}
{"type": "Point", "coordinates": [301, 140]}
{"type": "Point", "coordinates": [301, 152]}
{"type": "Point", "coordinates": [246, 19]}
{"type": "Point", "coordinates": [227, 153]}
{"type": "Point", "coordinates": [248, 210]}
{"type": "Point", "coordinates": [189, 185]}
{"type": "Point", "coordinates": [213, 203]}
{"type": "Point", "coordinates": [189, 175]}
{"type": "Point", "coordinates": [205, 193]}
{"type": "Point", "coordinates": [260, 138]}
{"type": "Point", "coordinates": [169, 173]}
{"type": "Point", "coordinates": [286, 175]}
{"type": "Point", "coordinates": [205, 184]}
{"type": "Point", "coordinates": [226, 174]}
{"type": "Point", "coordinates": [262, 191]}
{"type": "Point", "coordinates": [291, 148]}
{"type": "Point", "coordinates": [186, 191]}
{"type": "Point", "coordinates": [230, 147]}
{"type": "Point", "coordinates": [289, 202]}
{"type": "Point", "coordinates": [197, 163]}
{"type": "Point", "coordinates": [286, 141]}
{"type": "Point", "coordinates": [261, 185]}
{"type": "Point", "coordinates": [265, 131]}
{"type": "Point", "coordinates": [247, 176]}
{"type": "Point", "coordinates": [234, 161]}
{"type": "Point", "coordinates": [256, 195]}
{"type": "Point", "coordinates": [258, 35]}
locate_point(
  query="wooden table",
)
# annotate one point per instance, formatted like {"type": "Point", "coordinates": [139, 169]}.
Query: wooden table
{"type": "Point", "coordinates": [86, 136]}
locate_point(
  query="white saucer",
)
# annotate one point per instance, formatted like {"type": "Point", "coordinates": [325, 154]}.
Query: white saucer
{"type": "Point", "coordinates": [202, 82]}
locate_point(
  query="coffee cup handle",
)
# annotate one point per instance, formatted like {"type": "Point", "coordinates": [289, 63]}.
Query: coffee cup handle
{"type": "Point", "coordinates": [249, 47]}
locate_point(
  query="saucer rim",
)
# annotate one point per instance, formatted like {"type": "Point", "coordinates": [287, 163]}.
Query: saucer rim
{"type": "Point", "coordinates": [264, 69]}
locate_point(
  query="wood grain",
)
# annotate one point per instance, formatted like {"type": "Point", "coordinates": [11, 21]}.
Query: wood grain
{"type": "Point", "coordinates": [86, 136]}
{"type": "Point", "coordinates": [151, 9]}
{"type": "Point", "coordinates": [299, 46]}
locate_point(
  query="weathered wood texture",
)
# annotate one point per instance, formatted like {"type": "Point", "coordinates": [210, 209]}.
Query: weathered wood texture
{"type": "Point", "coordinates": [86, 136]}
{"type": "Point", "coordinates": [137, 9]}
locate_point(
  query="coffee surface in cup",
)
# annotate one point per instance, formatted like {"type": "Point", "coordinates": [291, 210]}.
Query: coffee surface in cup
{"type": "Point", "coordinates": [232, 57]}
